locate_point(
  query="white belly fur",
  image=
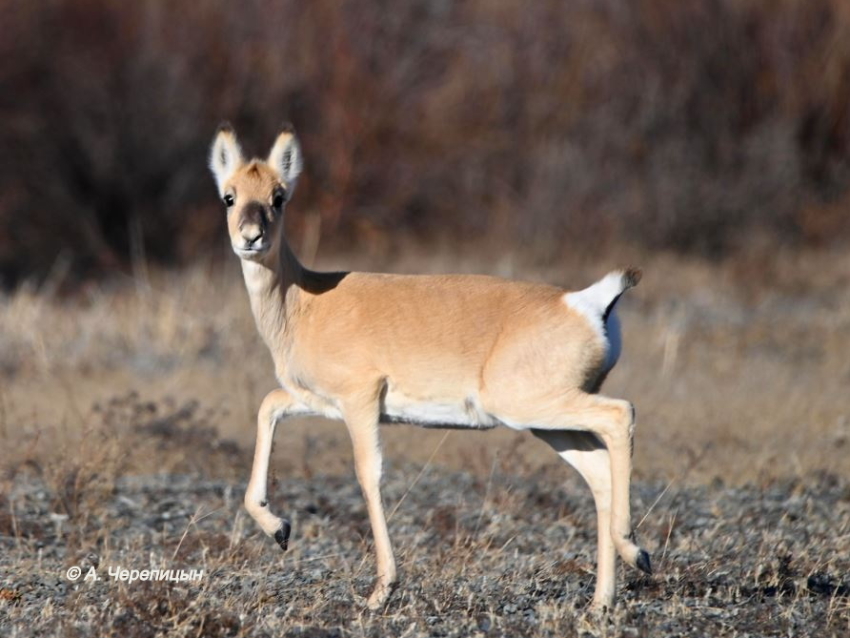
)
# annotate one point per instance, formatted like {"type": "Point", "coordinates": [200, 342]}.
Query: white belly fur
{"type": "Point", "coordinates": [398, 408]}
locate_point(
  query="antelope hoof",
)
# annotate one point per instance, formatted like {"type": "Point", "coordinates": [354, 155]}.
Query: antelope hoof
{"type": "Point", "coordinates": [282, 535]}
{"type": "Point", "coordinates": [379, 596]}
{"type": "Point", "coordinates": [643, 563]}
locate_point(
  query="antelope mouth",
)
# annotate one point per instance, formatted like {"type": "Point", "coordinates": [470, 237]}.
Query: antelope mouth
{"type": "Point", "coordinates": [251, 253]}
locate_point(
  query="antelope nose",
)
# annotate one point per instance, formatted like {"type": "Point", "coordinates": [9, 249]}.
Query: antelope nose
{"type": "Point", "coordinates": [252, 234]}
{"type": "Point", "coordinates": [252, 224]}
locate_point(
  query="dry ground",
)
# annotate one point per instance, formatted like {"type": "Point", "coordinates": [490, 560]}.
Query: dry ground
{"type": "Point", "coordinates": [739, 373]}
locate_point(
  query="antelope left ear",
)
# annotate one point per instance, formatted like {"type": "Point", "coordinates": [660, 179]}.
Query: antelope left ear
{"type": "Point", "coordinates": [285, 157]}
{"type": "Point", "coordinates": [225, 156]}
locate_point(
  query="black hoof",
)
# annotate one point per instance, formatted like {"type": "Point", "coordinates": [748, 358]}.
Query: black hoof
{"type": "Point", "coordinates": [642, 562]}
{"type": "Point", "coordinates": [282, 535]}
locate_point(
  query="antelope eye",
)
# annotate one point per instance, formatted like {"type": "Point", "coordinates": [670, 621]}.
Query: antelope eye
{"type": "Point", "coordinates": [277, 202]}
{"type": "Point", "coordinates": [228, 200]}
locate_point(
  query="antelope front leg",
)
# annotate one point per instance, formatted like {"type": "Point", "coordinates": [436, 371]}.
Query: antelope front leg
{"type": "Point", "coordinates": [277, 405]}
{"type": "Point", "coordinates": [362, 425]}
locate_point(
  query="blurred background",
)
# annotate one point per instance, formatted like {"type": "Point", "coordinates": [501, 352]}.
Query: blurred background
{"type": "Point", "coordinates": [694, 126]}
{"type": "Point", "coordinates": [706, 140]}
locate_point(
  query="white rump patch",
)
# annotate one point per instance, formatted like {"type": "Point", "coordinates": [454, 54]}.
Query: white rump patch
{"type": "Point", "coordinates": [591, 303]}
{"type": "Point", "coordinates": [594, 300]}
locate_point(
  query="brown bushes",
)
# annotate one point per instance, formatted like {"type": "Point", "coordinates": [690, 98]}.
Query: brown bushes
{"type": "Point", "coordinates": [671, 124]}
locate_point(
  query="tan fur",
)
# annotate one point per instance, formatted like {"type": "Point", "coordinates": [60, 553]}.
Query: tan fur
{"type": "Point", "coordinates": [452, 350]}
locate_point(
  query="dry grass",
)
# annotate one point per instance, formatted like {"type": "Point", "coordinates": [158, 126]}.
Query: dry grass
{"type": "Point", "coordinates": [739, 373]}
{"type": "Point", "coordinates": [510, 553]}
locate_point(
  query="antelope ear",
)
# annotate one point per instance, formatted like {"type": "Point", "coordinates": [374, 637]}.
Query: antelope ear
{"type": "Point", "coordinates": [225, 156]}
{"type": "Point", "coordinates": [285, 157]}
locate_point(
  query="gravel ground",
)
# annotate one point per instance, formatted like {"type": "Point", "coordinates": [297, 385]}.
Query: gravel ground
{"type": "Point", "coordinates": [498, 556]}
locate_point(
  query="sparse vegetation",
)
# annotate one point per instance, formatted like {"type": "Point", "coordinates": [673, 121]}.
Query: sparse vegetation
{"type": "Point", "coordinates": [508, 553]}
{"type": "Point", "coordinates": [707, 141]}
{"type": "Point", "coordinates": [740, 465]}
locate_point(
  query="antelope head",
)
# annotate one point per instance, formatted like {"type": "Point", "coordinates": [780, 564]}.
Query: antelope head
{"type": "Point", "coordinates": [255, 191]}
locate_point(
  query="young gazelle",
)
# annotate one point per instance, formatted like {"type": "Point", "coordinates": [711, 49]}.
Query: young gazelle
{"type": "Point", "coordinates": [440, 351]}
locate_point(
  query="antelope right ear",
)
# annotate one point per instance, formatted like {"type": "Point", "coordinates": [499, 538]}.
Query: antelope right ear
{"type": "Point", "coordinates": [225, 156]}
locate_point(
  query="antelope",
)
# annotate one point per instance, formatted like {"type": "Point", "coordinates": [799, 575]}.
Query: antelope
{"type": "Point", "coordinates": [450, 351]}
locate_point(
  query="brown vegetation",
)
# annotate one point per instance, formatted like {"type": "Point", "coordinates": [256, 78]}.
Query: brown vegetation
{"type": "Point", "coordinates": [676, 124]}
{"type": "Point", "coordinates": [565, 138]}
